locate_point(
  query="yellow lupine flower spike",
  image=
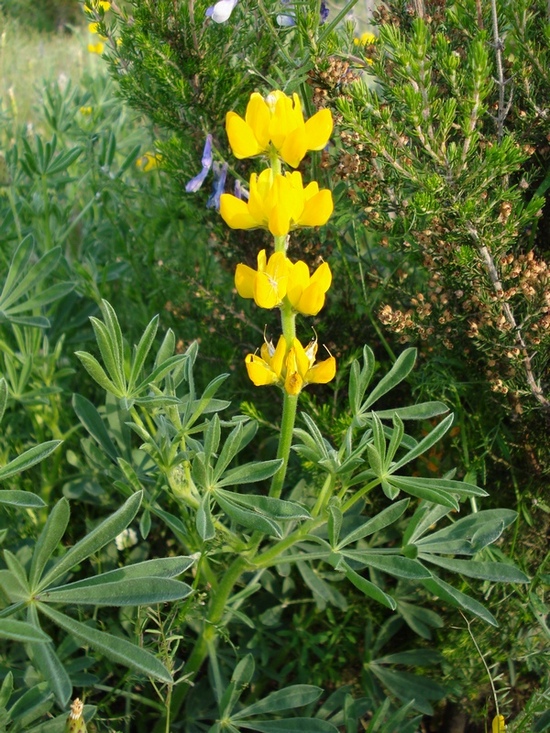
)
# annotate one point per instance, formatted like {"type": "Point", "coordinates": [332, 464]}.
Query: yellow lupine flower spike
{"type": "Point", "coordinates": [277, 123]}
{"type": "Point", "coordinates": [278, 203]}
{"type": "Point", "coordinates": [499, 724]}
{"type": "Point", "coordinates": [292, 367]}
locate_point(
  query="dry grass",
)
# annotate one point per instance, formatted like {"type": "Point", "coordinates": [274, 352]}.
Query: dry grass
{"type": "Point", "coordinates": [28, 58]}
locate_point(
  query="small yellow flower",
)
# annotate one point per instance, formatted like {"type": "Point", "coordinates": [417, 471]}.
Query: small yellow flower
{"type": "Point", "coordinates": [279, 277]}
{"type": "Point", "coordinates": [268, 284]}
{"type": "Point", "coordinates": [96, 47]}
{"type": "Point", "coordinates": [277, 123]}
{"type": "Point", "coordinates": [149, 161]}
{"type": "Point", "coordinates": [292, 367]}
{"type": "Point", "coordinates": [365, 39]}
{"type": "Point", "coordinates": [307, 294]}
{"type": "Point", "coordinates": [86, 111]}
{"type": "Point", "coordinates": [278, 203]}
{"type": "Point", "coordinates": [498, 724]}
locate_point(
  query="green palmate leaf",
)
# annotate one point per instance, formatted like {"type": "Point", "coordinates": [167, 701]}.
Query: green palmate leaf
{"type": "Point", "coordinates": [250, 473]}
{"type": "Point", "coordinates": [360, 379]}
{"type": "Point", "coordinates": [49, 295]}
{"type": "Point", "coordinates": [3, 397]}
{"type": "Point", "coordinates": [34, 276]}
{"type": "Point", "coordinates": [29, 458]}
{"type": "Point", "coordinates": [401, 567]}
{"type": "Point", "coordinates": [49, 539]}
{"type": "Point", "coordinates": [369, 589]}
{"type": "Point", "coordinates": [485, 526]}
{"type": "Point", "coordinates": [323, 593]}
{"type": "Point", "coordinates": [456, 598]}
{"type": "Point", "coordinates": [125, 592]}
{"type": "Point", "coordinates": [212, 437]}
{"type": "Point", "coordinates": [21, 258]}
{"type": "Point", "coordinates": [21, 631]}
{"type": "Point", "coordinates": [291, 697]}
{"type": "Point", "coordinates": [402, 367]}
{"type": "Point", "coordinates": [203, 520]}
{"type": "Point", "coordinates": [426, 443]}
{"type": "Point", "coordinates": [160, 371]}
{"type": "Point", "coordinates": [142, 350]}
{"type": "Point", "coordinates": [49, 664]}
{"type": "Point", "coordinates": [24, 499]}
{"type": "Point", "coordinates": [266, 505]}
{"type": "Point", "coordinates": [91, 419]}
{"type": "Point", "coordinates": [439, 491]}
{"type": "Point", "coordinates": [162, 567]}
{"type": "Point", "coordinates": [499, 572]}
{"type": "Point", "coordinates": [405, 685]}
{"type": "Point", "coordinates": [11, 585]}
{"type": "Point", "coordinates": [6, 690]}
{"type": "Point", "coordinates": [422, 411]}
{"type": "Point", "coordinates": [201, 406]}
{"type": "Point", "coordinates": [383, 519]}
{"type": "Point", "coordinates": [289, 725]}
{"type": "Point", "coordinates": [240, 679]}
{"type": "Point", "coordinates": [17, 569]}
{"type": "Point", "coordinates": [94, 541]}
{"type": "Point", "coordinates": [114, 363]}
{"type": "Point", "coordinates": [31, 706]}
{"type": "Point", "coordinates": [96, 371]}
{"type": "Point", "coordinates": [230, 449]}
{"type": "Point", "coordinates": [251, 520]}
{"type": "Point", "coordinates": [113, 647]}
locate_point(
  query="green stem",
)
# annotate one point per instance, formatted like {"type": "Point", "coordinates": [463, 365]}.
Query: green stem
{"type": "Point", "coordinates": [206, 639]}
{"type": "Point", "coordinates": [290, 403]}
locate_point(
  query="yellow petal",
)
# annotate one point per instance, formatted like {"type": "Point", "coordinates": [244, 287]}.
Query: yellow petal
{"type": "Point", "coordinates": [261, 259]}
{"type": "Point", "coordinates": [298, 281]}
{"type": "Point", "coordinates": [322, 277]}
{"type": "Point", "coordinates": [311, 301]}
{"type": "Point", "coordinates": [241, 137]}
{"type": "Point", "coordinates": [278, 358]}
{"type": "Point", "coordinates": [302, 359]}
{"type": "Point", "coordinates": [235, 213]}
{"type": "Point", "coordinates": [293, 380]}
{"type": "Point", "coordinates": [317, 209]}
{"type": "Point", "coordinates": [318, 130]}
{"type": "Point", "coordinates": [498, 725]}
{"type": "Point", "coordinates": [294, 147]}
{"type": "Point", "coordinates": [265, 291]}
{"type": "Point", "coordinates": [245, 279]}
{"type": "Point", "coordinates": [322, 372]}
{"type": "Point", "coordinates": [258, 117]}
{"type": "Point", "coordinates": [259, 372]}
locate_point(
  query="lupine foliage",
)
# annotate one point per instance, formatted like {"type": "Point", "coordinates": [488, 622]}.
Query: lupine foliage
{"type": "Point", "coordinates": [160, 547]}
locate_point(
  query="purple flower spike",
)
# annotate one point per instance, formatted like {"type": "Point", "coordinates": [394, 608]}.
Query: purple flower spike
{"type": "Point", "coordinates": [324, 11]}
{"type": "Point", "coordinates": [195, 183]}
{"type": "Point", "coordinates": [220, 174]}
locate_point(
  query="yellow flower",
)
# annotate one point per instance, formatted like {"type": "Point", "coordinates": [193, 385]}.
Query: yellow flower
{"type": "Point", "coordinates": [149, 161]}
{"type": "Point", "coordinates": [277, 123]}
{"type": "Point", "coordinates": [498, 724]}
{"type": "Point", "coordinates": [267, 285]}
{"type": "Point", "coordinates": [279, 277]}
{"type": "Point", "coordinates": [366, 39]}
{"type": "Point", "coordinates": [278, 203]}
{"type": "Point", "coordinates": [307, 294]}
{"type": "Point", "coordinates": [86, 110]}
{"type": "Point", "coordinates": [96, 47]}
{"type": "Point", "coordinates": [292, 367]}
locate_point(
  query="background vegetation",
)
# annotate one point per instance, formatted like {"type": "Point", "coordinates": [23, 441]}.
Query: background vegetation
{"type": "Point", "coordinates": [438, 167]}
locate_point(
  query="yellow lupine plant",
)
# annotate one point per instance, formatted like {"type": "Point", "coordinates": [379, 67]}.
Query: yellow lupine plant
{"type": "Point", "coordinates": [276, 123]}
